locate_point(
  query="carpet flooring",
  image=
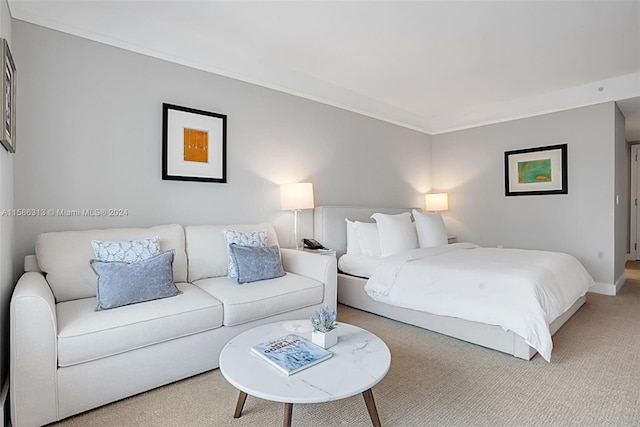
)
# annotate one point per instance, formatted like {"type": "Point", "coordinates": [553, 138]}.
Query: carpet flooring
{"type": "Point", "coordinates": [593, 380]}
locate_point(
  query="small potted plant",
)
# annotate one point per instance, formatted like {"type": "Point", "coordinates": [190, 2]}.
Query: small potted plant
{"type": "Point", "coordinates": [325, 332]}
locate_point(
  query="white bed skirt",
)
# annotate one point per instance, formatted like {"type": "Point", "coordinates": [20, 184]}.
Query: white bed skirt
{"type": "Point", "coordinates": [351, 292]}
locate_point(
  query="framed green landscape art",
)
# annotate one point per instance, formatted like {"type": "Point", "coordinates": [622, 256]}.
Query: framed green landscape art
{"type": "Point", "coordinates": [536, 171]}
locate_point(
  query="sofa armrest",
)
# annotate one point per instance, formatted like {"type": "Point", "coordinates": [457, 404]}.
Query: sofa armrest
{"type": "Point", "coordinates": [34, 350]}
{"type": "Point", "coordinates": [319, 267]}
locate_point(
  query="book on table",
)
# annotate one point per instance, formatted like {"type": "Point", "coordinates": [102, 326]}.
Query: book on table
{"type": "Point", "coordinates": [291, 353]}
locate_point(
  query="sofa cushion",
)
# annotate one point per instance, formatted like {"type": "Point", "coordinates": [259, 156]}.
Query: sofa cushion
{"type": "Point", "coordinates": [122, 283]}
{"type": "Point", "coordinates": [64, 256]}
{"type": "Point", "coordinates": [257, 300]}
{"type": "Point", "coordinates": [245, 238]}
{"type": "Point", "coordinates": [85, 334]}
{"type": "Point", "coordinates": [207, 248]}
{"type": "Point", "coordinates": [253, 264]}
{"type": "Point", "coordinates": [126, 250]}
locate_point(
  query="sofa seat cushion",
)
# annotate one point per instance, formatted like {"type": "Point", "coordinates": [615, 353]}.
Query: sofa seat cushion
{"type": "Point", "coordinates": [85, 334]}
{"type": "Point", "coordinates": [257, 300]}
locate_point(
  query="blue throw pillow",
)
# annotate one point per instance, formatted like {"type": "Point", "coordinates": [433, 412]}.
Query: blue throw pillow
{"type": "Point", "coordinates": [256, 263]}
{"type": "Point", "coordinates": [244, 238]}
{"type": "Point", "coordinates": [121, 283]}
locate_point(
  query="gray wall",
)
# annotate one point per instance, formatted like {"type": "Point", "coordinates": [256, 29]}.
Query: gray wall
{"type": "Point", "coordinates": [7, 276]}
{"type": "Point", "coordinates": [90, 130]}
{"type": "Point", "coordinates": [469, 165]}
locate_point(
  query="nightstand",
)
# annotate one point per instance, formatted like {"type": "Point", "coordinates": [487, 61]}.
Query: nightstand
{"type": "Point", "coordinates": [327, 252]}
{"type": "Point", "coordinates": [452, 239]}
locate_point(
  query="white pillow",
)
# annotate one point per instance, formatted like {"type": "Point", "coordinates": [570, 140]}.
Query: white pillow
{"type": "Point", "coordinates": [396, 232]}
{"type": "Point", "coordinates": [128, 251]}
{"type": "Point", "coordinates": [367, 233]}
{"type": "Point", "coordinates": [353, 245]}
{"type": "Point", "coordinates": [431, 231]}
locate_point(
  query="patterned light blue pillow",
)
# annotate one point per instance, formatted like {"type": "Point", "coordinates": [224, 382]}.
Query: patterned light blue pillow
{"type": "Point", "coordinates": [121, 283]}
{"type": "Point", "coordinates": [244, 238]}
{"type": "Point", "coordinates": [253, 264]}
{"type": "Point", "coordinates": [126, 251]}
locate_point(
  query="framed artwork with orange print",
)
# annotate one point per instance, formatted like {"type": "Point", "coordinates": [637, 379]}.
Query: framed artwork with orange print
{"type": "Point", "coordinates": [194, 145]}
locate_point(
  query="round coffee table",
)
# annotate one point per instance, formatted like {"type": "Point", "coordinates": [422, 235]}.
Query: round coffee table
{"type": "Point", "coordinates": [360, 360]}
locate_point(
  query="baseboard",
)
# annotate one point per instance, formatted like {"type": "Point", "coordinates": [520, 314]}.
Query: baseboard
{"type": "Point", "coordinates": [620, 282]}
{"type": "Point", "coordinates": [603, 288]}
{"type": "Point", "coordinates": [4, 405]}
{"type": "Point", "coordinates": [609, 288]}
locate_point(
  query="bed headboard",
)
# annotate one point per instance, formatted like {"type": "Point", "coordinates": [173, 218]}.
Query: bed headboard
{"type": "Point", "coordinates": [329, 226]}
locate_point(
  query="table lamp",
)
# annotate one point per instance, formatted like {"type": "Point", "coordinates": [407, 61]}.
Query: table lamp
{"type": "Point", "coordinates": [436, 202]}
{"type": "Point", "coordinates": [295, 197]}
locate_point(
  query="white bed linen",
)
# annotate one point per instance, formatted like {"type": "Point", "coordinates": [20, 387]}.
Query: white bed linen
{"type": "Point", "coordinates": [358, 265]}
{"type": "Point", "coordinates": [520, 290]}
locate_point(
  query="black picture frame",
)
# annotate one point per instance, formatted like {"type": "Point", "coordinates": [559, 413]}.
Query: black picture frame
{"type": "Point", "coordinates": [8, 98]}
{"type": "Point", "coordinates": [194, 145]}
{"type": "Point", "coordinates": [550, 161]}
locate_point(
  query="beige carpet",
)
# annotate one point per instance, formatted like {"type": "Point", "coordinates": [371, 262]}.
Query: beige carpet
{"type": "Point", "coordinates": [593, 380]}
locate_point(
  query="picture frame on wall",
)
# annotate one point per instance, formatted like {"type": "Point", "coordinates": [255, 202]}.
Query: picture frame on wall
{"type": "Point", "coordinates": [194, 145]}
{"type": "Point", "coordinates": [8, 99]}
{"type": "Point", "coordinates": [536, 171]}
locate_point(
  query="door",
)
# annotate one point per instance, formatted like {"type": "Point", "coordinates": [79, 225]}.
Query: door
{"type": "Point", "coordinates": [635, 201]}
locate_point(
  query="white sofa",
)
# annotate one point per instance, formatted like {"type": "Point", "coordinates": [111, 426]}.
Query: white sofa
{"type": "Point", "coordinates": [67, 358]}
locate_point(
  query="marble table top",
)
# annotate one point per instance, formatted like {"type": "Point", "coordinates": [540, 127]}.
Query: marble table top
{"type": "Point", "coordinates": [360, 360]}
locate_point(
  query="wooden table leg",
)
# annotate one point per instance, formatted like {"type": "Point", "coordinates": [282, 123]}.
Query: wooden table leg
{"type": "Point", "coordinates": [288, 412]}
{"type": "Point", "coordinates": [242, 397]}
{"type": "Point", "coordinates": [371, 406]}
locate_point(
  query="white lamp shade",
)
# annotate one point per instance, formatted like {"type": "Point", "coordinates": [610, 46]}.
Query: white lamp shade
{"type": "Point", "coordinates": [436, 202]}
{"type": "Point", "coordinates": [296, 196]}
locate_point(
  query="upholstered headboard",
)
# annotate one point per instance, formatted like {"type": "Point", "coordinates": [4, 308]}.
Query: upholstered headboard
{"type": "Point", "coordinates": [329, 226]}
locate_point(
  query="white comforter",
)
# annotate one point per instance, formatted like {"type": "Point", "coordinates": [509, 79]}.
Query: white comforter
{"type": "Point", "coordinates": [520, 290]}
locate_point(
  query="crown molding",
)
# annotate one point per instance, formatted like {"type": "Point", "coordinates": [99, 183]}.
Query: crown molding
{"type": "Point", "coordinates": [259, 71]}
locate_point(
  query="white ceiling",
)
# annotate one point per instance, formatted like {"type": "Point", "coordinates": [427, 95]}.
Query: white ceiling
{"type": "Point", "coordinates": [433, 66]}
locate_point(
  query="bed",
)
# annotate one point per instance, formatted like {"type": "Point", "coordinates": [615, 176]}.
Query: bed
{"type": "Point", "coordinates": [354, 290]}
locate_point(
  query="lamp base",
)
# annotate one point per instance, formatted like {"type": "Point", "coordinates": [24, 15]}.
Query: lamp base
{"type": "Point", "coordinates": [296, 238]}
